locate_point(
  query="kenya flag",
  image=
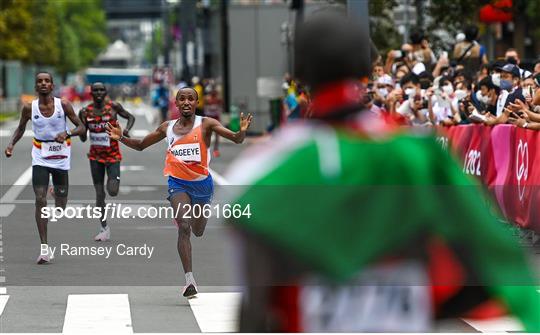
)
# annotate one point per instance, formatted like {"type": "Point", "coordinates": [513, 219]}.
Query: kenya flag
{"type": "Point", "coordinates": [339, 201]}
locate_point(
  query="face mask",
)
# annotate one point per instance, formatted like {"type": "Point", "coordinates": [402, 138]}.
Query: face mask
{"type": "Point", "coordinates": [460, 94]}
{"type": "Point", "coordinates": [496, 79]}
{"type": "Point", "coordinates": [527, 92]}
{"type": "Point", "coordinates": [482, 98]}
{"type": "Point", "coordinates": [448, 89]}
{"type": "Point", "coordinates": [410, 91]}
{"type": "Point", "coordinates": [506, 85]}
{"type": "Point", "coordinates": [383, 92]}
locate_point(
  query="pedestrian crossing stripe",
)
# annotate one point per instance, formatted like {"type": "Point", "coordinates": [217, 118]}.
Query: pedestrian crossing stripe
{"type": "Point", "coordinates": [216, 312]}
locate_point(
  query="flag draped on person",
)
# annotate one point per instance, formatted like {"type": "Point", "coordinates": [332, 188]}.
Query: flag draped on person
{"type": "Point", "coordinates": [337, 201]}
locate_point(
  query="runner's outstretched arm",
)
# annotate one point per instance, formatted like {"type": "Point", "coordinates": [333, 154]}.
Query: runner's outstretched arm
{"type": "Point", "coordinates": [19, 131]}
{"type": "Point", "coordinates": [237, 137]}
{"type": "Point", "coordinates": [126, 115]}
{"type": "Point", "coordinates": [157, 135]}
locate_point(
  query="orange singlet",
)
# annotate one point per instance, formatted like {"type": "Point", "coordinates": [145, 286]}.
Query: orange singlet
{"type": "Point", "coordinates": [187, 156]}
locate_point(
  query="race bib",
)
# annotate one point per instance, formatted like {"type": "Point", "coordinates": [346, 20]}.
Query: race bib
{"type": "Point", "coordinates": [101, 139]}
{"type": "Point", "coordinates": [380, 299]}
{"type": "Point", "coordinates": [187, 152]}
{"type": "Point", "coordinates": [50, 149]}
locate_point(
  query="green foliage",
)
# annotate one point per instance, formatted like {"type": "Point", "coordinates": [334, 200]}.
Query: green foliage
{"type": "Point", "coordinates": [381, 25]}
{"type": "Point", "coordinates": [43, 40]}
{"type": "Point", "coordinates": [66, 34]}
{"type": "Point", "coordinates": [451, 16]}
{"type": "Point", "coordinates": [15, 21]}
{"type": "Point", "coordinates": [532, 11]}
{"type": "Point", "coordinates": [87, 21]}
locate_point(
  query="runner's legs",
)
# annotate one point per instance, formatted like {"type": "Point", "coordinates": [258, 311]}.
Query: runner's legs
{"type": "Point", "coordinates": [113, 178]}
{"type": "Point", "coordinates": [40, 182]}
{"type": "Point", "coordinates": [185, 227]}
{"type": "Point", "coordinates": [97, 170]}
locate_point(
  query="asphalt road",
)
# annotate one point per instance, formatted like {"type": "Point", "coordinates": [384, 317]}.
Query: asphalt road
{"type": "Point", "coordinates": [38, 294]}
{"type": "Point", "coordinates": [124, 293]}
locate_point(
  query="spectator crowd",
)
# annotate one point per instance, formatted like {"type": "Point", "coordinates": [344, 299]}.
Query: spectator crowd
{"type": "Point", "coordinates": [417, 88]}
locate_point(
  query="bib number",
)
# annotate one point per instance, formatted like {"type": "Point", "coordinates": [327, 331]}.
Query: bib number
{"type": "Point", "coordinates": [386, 299]}
{"type": "Point", "coordinates": [101, 139]}
{"type": "Point", "coordinates": [187, 152]}
{"type": "Point", "coordinates": [54, 149]}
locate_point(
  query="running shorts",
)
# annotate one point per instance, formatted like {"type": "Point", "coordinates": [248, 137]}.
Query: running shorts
{"type": "Point", "coordinates": [40, 179]}
{"type": "Point", "coordinates": [200, 191]}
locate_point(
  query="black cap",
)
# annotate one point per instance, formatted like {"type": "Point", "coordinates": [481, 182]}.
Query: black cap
{"type": "Point", "coordinates": [330, 46]}
{"type": "Point", "coordinates": [513, 69]}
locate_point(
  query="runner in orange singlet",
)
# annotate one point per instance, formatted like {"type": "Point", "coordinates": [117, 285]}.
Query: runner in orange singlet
{"type": "Point", "coordinates": [186, 166]}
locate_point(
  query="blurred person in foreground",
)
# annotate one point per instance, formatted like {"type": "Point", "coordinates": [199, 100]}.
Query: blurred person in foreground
{"type": "Point", "coordinates": [348, 231]}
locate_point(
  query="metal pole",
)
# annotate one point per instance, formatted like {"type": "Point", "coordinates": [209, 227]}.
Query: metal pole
{"type": "Point", "coordinates": [225, 53]}
{"type": "Point", "coordinates": [166, 29]}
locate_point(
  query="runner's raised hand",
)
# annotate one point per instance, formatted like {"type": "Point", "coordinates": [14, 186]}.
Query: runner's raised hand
{"type": "Point", "coordinates": [114, 132]}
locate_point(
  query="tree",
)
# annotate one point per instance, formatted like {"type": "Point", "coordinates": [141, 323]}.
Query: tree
{"type": "Point", "coordinates": [86, 19]}
{"type": "Point", "coordinates": [43, 37]}
{"type": "Point", "coordinates": [15, 20]}
{"type": "Point", "coordinates": [381, 25]}
{"type": "Point", "coordinates": [451, 16]}
{"type": "Point", "coordinates": [69, 50]}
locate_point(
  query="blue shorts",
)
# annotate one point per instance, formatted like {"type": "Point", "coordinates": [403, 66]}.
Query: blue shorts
{"type": "Point", "coordinates": [200, 191]}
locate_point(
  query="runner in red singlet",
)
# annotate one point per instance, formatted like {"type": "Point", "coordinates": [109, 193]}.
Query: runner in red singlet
{"type": "Point", "coordinates": [104, 154]}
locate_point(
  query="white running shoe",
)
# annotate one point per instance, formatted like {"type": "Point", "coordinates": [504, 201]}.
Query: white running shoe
{"type": "Point", "coordinates": [42, 259]}
{"type": "Point", "coordinates": [104, 235]}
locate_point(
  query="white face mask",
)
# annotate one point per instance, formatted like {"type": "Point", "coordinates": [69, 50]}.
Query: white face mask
{"type": "Point", "coordinates": [496, 79]}
{"type": "Point", "coordinates": [527, 92]}
{"type": "Point", "coordinates": [448, 89]}
{"type": "Point", "coordinates": [482, 98]}
{"type": "Point", "coordinates": [460, 94]}
{"type": "Point", "coordinates": [383, 92]}
{"type": "Point", "coordinates": [410, 91]}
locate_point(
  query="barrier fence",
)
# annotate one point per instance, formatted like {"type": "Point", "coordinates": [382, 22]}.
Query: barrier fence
{"type": "Point", "coordinates": [504, 159]}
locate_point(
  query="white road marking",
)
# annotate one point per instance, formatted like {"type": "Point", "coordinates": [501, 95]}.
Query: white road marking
{"type": "Point", "coordinates": [97, 313]}
{"type": "Point", "coordinates": [128, 189]}
{"type": "Point", "coordinates": [13, 192]}
{"type": "Point", "coordinates": [216, 312]}
{"type": "Point", "coordinates": [499, 325]}
{"type": "Point", "coordinates": [5, 210]}
{"type": "Point", "coordinates": [8, 133]}
{"type": "Point", "coordinates": [140, 132]}
{"type": "Point", "coordinates": [219, 179]}
{"type": "Point", "coordinates": [92, 202]}
{"type": "Point", "coordinates": [30, 133]}
{"type": "Point", "coordinates": [132, 168]}
{"type": "Point", "coordinates": [3, 302]}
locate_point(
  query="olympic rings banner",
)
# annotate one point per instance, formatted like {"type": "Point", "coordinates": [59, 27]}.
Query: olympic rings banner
{"type": "Point", "coordinates": [504, 159]}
